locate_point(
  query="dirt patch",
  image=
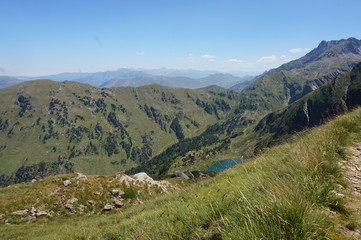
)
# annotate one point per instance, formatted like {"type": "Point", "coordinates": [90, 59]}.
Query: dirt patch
{"type": "Point", "coordinates": [354, 169]}
{"type": "Point", "coordinates": [353, 175]}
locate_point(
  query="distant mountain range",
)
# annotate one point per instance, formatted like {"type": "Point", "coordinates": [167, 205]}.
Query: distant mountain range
{"type": "Point", "coordinates": [49, 127]}
{"type": "Point", "coordinates": [270, 92]}
{"type": "Point", "coordinates": [139, 77]}
{"type": "Point", "coordinates": [6, 81]}
{"type": "Point", "coordinates": [220, 79]}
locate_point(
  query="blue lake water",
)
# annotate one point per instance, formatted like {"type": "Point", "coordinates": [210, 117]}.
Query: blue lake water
{"type": "Point", "coordinates": [223, 165]}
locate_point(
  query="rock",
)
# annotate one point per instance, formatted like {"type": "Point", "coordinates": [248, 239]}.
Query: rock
{"type": "Point", "coordinates": [137, 202]}
{"type": "Point", "coordinates": [33, 211]}
{"type": "Point", "coordinates": [33, 180]}
{"type": "Point", "coordinates": [81, 208]}
{"type": "Point", "coordinates": [180, 174]}
{"type": "Point", "coordinates": [21, 213]}
{"type": "Point", "coordinates": [97, 193]}
{"type": "Point", "coordinates": [69, 206]}
{"type": "Point", "coordinates": [202, 175]}
{"type": "Point", "coordinates": [189, 174]}
{"type": "Point", "coordinates": [108, 207]}
{"type": "Point", "coordinates": [41, 214]}
{"type": "Point", "coordinates": [125, 179]}
{"type": "Point", "coordinates": [66, 183]}
{"type": "Point", "coordinates": [81, 176]}
{"type": "Point", "coordinates": [119, 203]}
{"type": "Point", "coordinates": [91, 202]}
{"type": "Point", "coordinates": [72, 200]}
{"type": "Point", "coordinates": [116, 192]}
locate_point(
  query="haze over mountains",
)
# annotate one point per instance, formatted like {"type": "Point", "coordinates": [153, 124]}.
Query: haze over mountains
{"type": "Point", "coordinates": [124, 77]}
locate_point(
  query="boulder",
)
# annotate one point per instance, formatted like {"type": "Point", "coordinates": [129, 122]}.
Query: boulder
{"type": "Point", "coordinates": [66, 183]}
{"type": "Point", "coordinates": [33, 211]}
{"type": "Point", "coordinates": [189, 174]}
{"type": "Point", "coordinates": [119, 203]}
{"type": "Point", "coordinates": [108, 207]}
{"type": "Point", "coordinates": [81, 176]}
{"type": "Point", "coordinates": [116, 192]}
{"type": "Point", "coordinates": [72, 200]}
{"type": "Point", "coordinates": [69, 206]}
{"type": "Point", "coordinates": [180, 174]}
{"type": "Point", "coordinates": [41, 214]}
{"type": "Point", "coordinates": [202, 175]}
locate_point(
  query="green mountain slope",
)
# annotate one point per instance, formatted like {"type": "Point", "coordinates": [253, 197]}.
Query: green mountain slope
{"type": "Point", "coordinates": [297, 190]}
{"type": "Point", "coordinates": [334, 98]}
{"type": "Point", "coordinates": [51, 127]}
{"type": "Point", "coordinates": [239, 135]}
{"type": "Point", "coordinates": [281, 86]}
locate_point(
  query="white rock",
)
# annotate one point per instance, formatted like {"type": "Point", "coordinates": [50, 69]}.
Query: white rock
{"type": "Point", "coordinates": [81, 176]}
{"type": "Point", "coordinates": [108, 207]}
{"type": "Point", "coordinates": [66, 183]}
{"type": "Point", "coordinates": [116, 192]}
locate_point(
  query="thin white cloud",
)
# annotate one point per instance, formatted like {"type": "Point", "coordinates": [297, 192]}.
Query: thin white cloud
{"type": "Point", "coordinates": [267, 59]}
{"type": "Point", "coordinates": [2, 70]}
{"type": "Point", "coordinates": [299, 50]}
{"type": "Point", "coordinates": [209, 57]}
{"type": "Point", "coordinates": [140, 53]}
{"type": "Point", "coordinates": [234, 60]}
{"type": "Point", "coordinates": [283, 56]}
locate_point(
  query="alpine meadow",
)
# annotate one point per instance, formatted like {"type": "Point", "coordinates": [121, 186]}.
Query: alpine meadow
{"type": "Point", "coordinates": [184, 120]}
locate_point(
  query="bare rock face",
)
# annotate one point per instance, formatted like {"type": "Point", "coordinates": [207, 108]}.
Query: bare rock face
{"type": "Point", "coordinates": [66, 183]}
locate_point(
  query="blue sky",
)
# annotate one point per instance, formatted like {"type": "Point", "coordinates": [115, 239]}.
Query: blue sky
{"type": "Point", "coordinates": [41, 37]}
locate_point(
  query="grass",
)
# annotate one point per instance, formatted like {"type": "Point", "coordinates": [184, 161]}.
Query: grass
{"type": "Point", "coordinates": [26, 146]}
{"type": "Point", "coordinates": [288, 192]}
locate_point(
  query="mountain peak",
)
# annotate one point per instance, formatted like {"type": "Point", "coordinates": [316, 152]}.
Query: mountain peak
{"type": "Point", "coordinates": [335, 48]}
{"type": "Point", "coordinates": [346, 49]}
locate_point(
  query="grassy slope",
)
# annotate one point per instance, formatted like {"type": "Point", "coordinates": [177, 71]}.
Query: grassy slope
{"type": "Point", "coordinates": [26, 147]}
{"type": "Point", "coordinates": [336, 97]}
{"type": "Point", "coordinates": [289, 192]}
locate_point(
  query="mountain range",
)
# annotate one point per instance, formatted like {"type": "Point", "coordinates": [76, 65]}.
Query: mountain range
{"type": "Point", "coordinates": [140, 77]}
{"type": "Point", "coordinates": [272, 91]}
{"type": "Point", "coordinates": [49, 127]}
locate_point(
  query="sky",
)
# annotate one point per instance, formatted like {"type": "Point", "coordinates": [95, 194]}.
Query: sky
{"type": "Point", "coordinates": [41, 37]}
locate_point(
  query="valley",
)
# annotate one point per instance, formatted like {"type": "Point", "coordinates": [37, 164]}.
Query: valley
{"type": "Point", "coordinates": [113, 157]}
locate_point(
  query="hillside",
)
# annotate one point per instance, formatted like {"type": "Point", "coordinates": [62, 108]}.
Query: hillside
{"type": "Point", "coordinates": [338, 96]}
{"type": "Point", "coordinates": [51, 127]}
{"type": "Point", "coordinates": [239, 135]}
{"type": "Point", "coordinates": [298, 190]}
{"type": "Point", "coordinates": [281, 86]}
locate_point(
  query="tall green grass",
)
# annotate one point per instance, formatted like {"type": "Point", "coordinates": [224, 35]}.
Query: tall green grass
{"type": "Point", "coordinates": [289, 192]}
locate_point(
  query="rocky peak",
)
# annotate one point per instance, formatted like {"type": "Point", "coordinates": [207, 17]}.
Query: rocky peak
{"type": "Point", "coordinates": [335, 48]}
